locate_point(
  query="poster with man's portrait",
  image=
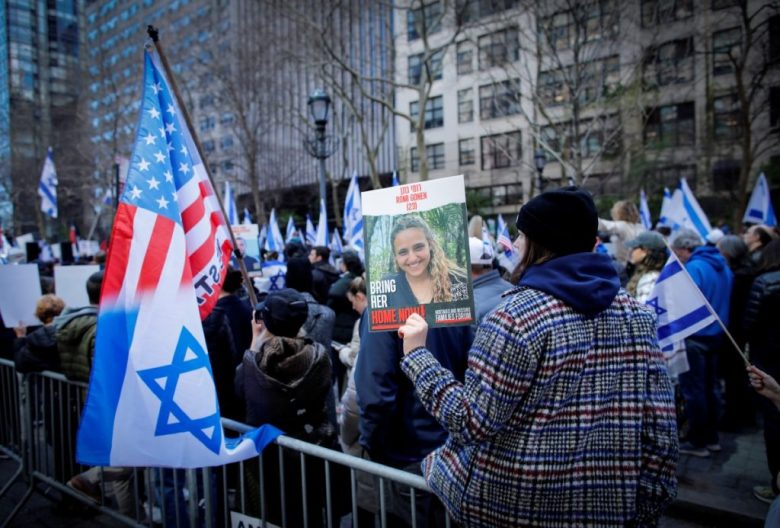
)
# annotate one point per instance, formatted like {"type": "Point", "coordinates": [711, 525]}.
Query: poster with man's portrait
{"type": "Point", "coordinates": [249, 246]}
{"type": "Point", "coordinates": [417, 254]}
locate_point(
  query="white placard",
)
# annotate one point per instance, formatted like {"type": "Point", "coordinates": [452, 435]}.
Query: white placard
{"type": "Point", "coordinates": [239, 520]}
{"type": "Point", "coordinates": [56, 251]}
{"type": "Point", "coordinates": [70, 283]}
{"type": "Point", "coordinates": [88, 247]}
{"type": "Point", "coordinates": [21, 287]}
{"type": "Point", "coordinates": [22, 240]}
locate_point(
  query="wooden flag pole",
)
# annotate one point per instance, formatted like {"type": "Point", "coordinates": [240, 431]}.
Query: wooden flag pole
{"type": "Point", "coordinates": [155, 36]}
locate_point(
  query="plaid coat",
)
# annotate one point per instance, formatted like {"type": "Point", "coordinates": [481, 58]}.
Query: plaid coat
{"type": "Point", "coordinates": [563, 420]}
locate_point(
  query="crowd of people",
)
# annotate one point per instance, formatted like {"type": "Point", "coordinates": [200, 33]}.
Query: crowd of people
{"type": "Point", "coordinates": [556, 407]}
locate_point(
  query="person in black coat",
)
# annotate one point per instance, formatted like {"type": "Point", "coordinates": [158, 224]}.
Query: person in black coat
{"type": "Point", "coordinates": [763, 335]}
{"type": "Point", "coordinates": [351, 268]}
{"type": "Point", "coordinates": [37, 351]}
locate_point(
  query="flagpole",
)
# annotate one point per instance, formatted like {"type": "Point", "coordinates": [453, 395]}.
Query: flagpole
{"type": "Point", "coordinates": [708, 305]}
{"type": "Point", "coordinates": [154, 34]}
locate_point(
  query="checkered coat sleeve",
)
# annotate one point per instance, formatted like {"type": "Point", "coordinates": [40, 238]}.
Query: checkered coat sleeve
{"type": "Point", "coordinates": [561, 420]}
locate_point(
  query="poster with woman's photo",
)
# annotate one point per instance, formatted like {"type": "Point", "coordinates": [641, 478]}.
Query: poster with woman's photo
{"type": "Point", "coordinates": [417, 254]}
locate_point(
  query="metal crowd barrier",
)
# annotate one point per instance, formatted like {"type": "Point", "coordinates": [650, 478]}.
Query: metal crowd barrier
{"type": "Point", "coordinates": [292, 483]}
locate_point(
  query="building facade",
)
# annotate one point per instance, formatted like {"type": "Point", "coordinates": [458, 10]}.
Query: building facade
{"type": "Point", "coordinates": [616, 96]}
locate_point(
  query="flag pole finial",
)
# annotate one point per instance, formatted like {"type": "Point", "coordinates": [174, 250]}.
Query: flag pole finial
{"type": "Point", "coordinates": [153, 33]}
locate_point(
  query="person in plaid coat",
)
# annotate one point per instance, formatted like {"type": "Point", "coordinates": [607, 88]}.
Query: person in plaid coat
{"type": "Point", "coordinates": [566, 415]}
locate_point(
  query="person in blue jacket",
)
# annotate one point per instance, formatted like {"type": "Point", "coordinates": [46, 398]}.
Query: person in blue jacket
{"type": "Point", "coordinates": [395, 428]}
{"type": "Point", "coordinates": [711, 273]}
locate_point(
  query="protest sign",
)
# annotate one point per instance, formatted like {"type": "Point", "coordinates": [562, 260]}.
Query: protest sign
{"type": "Point", "coordinates": [247, 243]}
{"type": "Point", "coordinates": [70, 283]}
{"type": "Point", "coordinates": [417, 254]}
{"type": "Point", "coordinates": [21, 287]}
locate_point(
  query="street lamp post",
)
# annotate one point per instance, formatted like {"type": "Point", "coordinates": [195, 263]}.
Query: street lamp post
{"type": "Point", "coordinates": [540, 160]}
{"type": "Point", "coordinates": [320, 146]}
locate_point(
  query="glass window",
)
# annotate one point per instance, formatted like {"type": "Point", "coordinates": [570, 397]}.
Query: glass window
{"type": "Point", "coordinates": [226, 143]}
{"type": "Point", "coordinates": [465, 105]}
{"type": "Point", "coordinates": [434, 155]}
{"type": "Point", "coordinates": [725, 48]}
{"type": "Point", "coordinates": [434, 112]}
{"type": "Point", "coordinates": [726, 117]}
{"type": "Point", "coordinates": [499, 99]}
{"type": "Point", "coordinates": [425, 20]}
{"type": "Point", "coordinates": [659, 12]}
{"type": "Point", "coordinates": [414, 160]}
{"type": "Point", "coordinates": [669, 63]}
{"type": "Point", "coordinates": [466, 151]}
{"type": "Point", "coordinates": [417, 67]}
{"type": "Point", "coordinates": [671, 125]}
{"type": "Point", "coordinates": [498, 48]}
{"type": "Point", "coordinates": [501, 150]}
{"type": "Point", "coordinates": [465, 58]}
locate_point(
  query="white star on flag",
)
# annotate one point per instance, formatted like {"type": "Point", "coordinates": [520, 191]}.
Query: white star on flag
{"type": "Point", "coordinates": [171, 110]}
{"type": "Point", "coordinates": [159, 156]}
{"type": "Point", "coordinates": [153, 183]}
{"type": "Point", "coordinates": [143, 165]}
{"type": "Point", "coordinates": [150, 139]}
{"type": "Point", "coordinates": [162, 203]}
{"type": "Point", "coordinates": [154, 113]}
{"type": "Point", "coordinates": [170, 128]}
{"type": "Point", "coordinates": [162, 132]}
{"type": "Point", "coordinates": [168, 176]}
{"type": "Point", "coordinates": [135, 193]}
{"type": "Point", "coordinates": [170, 147]}
{"type": "Point", "coordinates": [156, 87]}
{"type": "Point", "coordinates": [183, 167]}
{"type": "Point", "coordinates": [184, 150]}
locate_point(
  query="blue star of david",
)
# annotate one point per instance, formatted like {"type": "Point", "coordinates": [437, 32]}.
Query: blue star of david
{"type": "Point", "coordinates": [653, 303]}
{"type": "Point", "coordinates": [275, 281]}
{"type": "Point", "coordinates": [162, 381]}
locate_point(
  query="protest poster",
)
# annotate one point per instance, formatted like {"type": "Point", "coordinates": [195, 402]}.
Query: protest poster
{"type": "Point", "coordinates": [247, 243]}
{"type": "Point", "coordinates": [21, 287]}
{"type": "Point", "coordinates": [417, 254]}
{"type": "Point", "coordinates": [70, 283]}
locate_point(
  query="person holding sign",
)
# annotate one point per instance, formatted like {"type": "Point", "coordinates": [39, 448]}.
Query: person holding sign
{"type": "Point", "coordinates": [425, 274]}
{"type": "Point", "coordinates": [566, 414]}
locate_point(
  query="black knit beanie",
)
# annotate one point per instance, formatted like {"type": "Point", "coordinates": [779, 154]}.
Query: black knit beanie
{"type": "Point", "coordinates": [564, 221]}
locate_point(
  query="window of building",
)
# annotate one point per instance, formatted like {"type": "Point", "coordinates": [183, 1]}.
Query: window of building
{"type": "Point", "coordinates": [207, 123]}
{"type": "Point", "coordinates": [669, 176]}
{"type": "Point", "coordinates": [226, 119]}
{"type": "Point", "coordinates": [725, 175]}
{"type": "Point", "coordinates": [208, 146]}
{"type": "Point", "coordinates": [501, 150]}
{"type": "Point", "coordinates": [552, 88]}
{"type": "Point", "coordinates": [774, 39]}
{"type": "Point", "coordinates": [207, 101]}
{"type": "Point", "coordinates": [597, 137]}
{"type": "Point", "coordinates": [498, 48]}
{"type": "Point", "coordinates": [669, 63]}
{"type": "Point", "coordinates": [659, 12]}
{"type": "Point", "coordinates": [465, 58]}
{"type": "Point", "coordinates": [582, 22]}
{"type": "Point", "coordinates": [425, 20]}
{"type": "Point", "coordinates": [468, 11]}
{"type": "Point", "coordinates": [499, 99]}
{"type": "Point", "coordinates": [417, 66]}
{"type": "Point", "coordinates": [465, 105]}
{"type": "Point", "coordinates": [227, 165]}
{"type": "Point", "coordinates": [725, 48]}
{"type": "Point", "coordinates": [671, 125]}
{"type": "Point", "coordinates": [434, 155]}
{"type": "Point", "coordinates": [467, 152]}
{"type": "Point", "coordinates": [774, 108]}
{"type": "Point", "coordinates": [726, 117]}
{"type": "Point", "coordinates": [434, 112]}
{"type": "Point", "coordinates": [226, 143]}
{"type": "Point", "coordinates": [558, 31]}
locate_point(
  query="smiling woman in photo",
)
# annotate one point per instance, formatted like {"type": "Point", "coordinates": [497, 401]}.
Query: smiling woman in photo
{"type": "Point", "coordinates": [425, 274]}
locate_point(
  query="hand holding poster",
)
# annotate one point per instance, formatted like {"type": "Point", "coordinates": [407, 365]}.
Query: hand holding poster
{"type": "Point", "coordinates": [417, 254]}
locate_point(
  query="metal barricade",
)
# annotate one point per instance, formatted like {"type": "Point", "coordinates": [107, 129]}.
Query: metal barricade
{"type": "Point", "coordinates": [292, 483]}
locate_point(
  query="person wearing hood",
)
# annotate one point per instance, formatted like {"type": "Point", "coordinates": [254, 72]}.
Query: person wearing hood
{"type": "Point", "coordinates": [566, 415]}
{"type": "Point", "coordinates": [711, 273]}
{"type": "Point", "coordinates": [76, 329]}
{"type": "Point", "coordinates": [285, 380]}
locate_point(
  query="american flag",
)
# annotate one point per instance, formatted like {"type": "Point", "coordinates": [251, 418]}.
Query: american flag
{"type": "Point", "coordinates": [167, 187]}
{"type": "Point", "coordinates": [502, 237]}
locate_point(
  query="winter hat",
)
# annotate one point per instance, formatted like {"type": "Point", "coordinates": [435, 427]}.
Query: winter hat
{"type": "Point", "coordinates": [647, 240]}
{"type": "Point", "coordinates": [283, 312]}
{"type": "Point", "coordinates": [565, 221]}
{"type": "Point", "coordinates": [480, 252]}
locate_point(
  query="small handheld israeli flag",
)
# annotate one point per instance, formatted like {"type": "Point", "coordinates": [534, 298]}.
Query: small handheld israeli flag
{"type": "Point", "coordinates": [759, 209]}
{"type": "Point", "coordinates": [679, 305]}
{"type": "Point", "coordinates": [47, 187]}
{"type": "Point", "coordinates": [684, 211]}
{"type": "Point", "coordinates": [290, 231]}
{"type": "Point", "coordinates": [230, 205]}
{"type": "Point", "coordinates": [273, 239]}
{"type": "Point", "coordinates": [321, 236]}
{"type": "Point", "coordinates": [395, 179]}
{"type": "Point", "coordinates": [311, 234]}
{"type": "Point", "coordinates": [644, 211]}
{"type": "Point", "coordinates": [247, 220]}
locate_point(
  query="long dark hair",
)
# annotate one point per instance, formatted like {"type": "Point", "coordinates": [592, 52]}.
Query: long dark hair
{"type": "Point", "coordinates": [535, 253]}
{"type": "Point", "coordinates": [770, 257]}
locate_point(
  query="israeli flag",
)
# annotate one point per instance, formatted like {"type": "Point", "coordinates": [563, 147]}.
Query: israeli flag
{"type": "Point", "coordinates": [247, 217]}
{"type": "Point", "coordinates": [336, 245]}
{"type": "Point", "coordinates": [685, 211]}
{"type": "Point", "coordinates": [311, 234]}
{"type": "Point", "coordinates": [321, 236]}
{"type": "Point", "coordinates": [290, 231]}
{"type": "Point", "coordinates": [262, 235]}
{"type": "Point", "coordinates": [353, 217]}
{"type": "Point", "coordinates": [666, 206]}
{"type": "Point", "coordinates": [644, 211]}
{"type": "Point", "coordinates": [230, 205]}
{"type": "Point", "coordinates": [759, 209]}
{"type": "Point", "coordinates": [395, 179]}
{"type": "Point", "coordinates": [679, 305]}
{"type": "Point", "coordinates": [273, 239]}
{"type": "Point", "coordinates": [47, 187]}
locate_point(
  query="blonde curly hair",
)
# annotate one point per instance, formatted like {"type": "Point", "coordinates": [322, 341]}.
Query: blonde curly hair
{"type": "Point", "coordinates": [439, 266]}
